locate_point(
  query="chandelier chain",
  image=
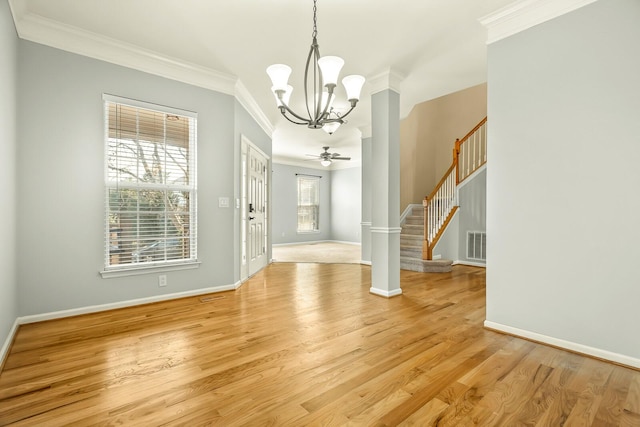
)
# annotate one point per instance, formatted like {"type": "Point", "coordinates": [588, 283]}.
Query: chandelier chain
{"type": "Point", "coordinates": [315, 20]}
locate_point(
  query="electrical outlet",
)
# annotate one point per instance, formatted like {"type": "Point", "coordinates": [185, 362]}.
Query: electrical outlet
{"type": "Point", "coordinates": [162, 280]}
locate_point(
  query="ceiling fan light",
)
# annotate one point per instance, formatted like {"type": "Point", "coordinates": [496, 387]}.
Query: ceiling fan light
{"type": "Point", "coordinates": [331, 127]}
{"type": "Point", "coordinates": [330, 67]}
{"type": "Point", "coordinates": [279, 74]}
{"type": "Point", "coordinates": [325, 162]}
{"type": "Point", "coordinates": [353, 86]}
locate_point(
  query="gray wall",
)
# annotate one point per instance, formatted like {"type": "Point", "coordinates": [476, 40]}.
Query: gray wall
{"type": "Point", "coordinates": [60, 180]}
{"type": "Point", "coordinates": [8, 69]}
{"type": "Point", "coordinates": [346, 195]}
{"type": "Point", "coordinates": [340, 196]}
{"type": "Point", "coordinates": [563, 179]}
{"type": "Point", "coordinates": [285, 201]}
{"type": "Point", "coordinates": [472, 197]}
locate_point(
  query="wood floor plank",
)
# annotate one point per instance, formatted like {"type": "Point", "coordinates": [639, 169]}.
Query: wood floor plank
{"type": "Point", "coordinates": [307, 344]}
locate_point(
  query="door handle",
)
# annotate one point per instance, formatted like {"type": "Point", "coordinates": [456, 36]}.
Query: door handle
{"type": "Point", "coordinates": [252, 217]}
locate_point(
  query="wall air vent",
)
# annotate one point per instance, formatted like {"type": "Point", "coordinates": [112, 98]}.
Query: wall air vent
{"type": "Point", "coordinates": [477, 245]}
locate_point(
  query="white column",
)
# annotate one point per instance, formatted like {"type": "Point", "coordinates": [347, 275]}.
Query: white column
{"type": "Point", "coordinates": [365, 225]}
{"type": "Point", "coordinates": [385, 189]}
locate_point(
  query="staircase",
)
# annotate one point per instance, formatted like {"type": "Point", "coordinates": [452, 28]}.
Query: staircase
{"type": "Point", "coordinates": [439, 207]}
{"type": "Point", "coordinates": [411, 239]}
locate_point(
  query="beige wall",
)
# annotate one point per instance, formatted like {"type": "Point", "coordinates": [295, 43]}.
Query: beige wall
{"type": "Point", "coordinates": [427, 137]}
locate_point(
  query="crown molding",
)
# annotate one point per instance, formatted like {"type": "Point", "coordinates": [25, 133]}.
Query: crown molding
{"type": "Point", "coordinates": [524, 14]}
{"type": "Point", "coordinates": [75, 40]}
{"type": "Point", "coordinates": [388, 79]}
{"type": "Point", "coordinates": [245, 99]}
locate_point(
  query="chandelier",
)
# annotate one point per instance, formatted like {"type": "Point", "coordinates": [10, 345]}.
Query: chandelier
{"type": "Point", "coordinates": [320, 79]}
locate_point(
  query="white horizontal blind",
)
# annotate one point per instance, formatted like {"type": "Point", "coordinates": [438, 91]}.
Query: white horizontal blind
{"type": "Point", "coordinates": [150, 183]}
{"type": "Point", "coordinates": [308, 203]}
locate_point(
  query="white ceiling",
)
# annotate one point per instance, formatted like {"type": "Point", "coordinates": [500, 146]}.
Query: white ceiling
{"type": "Point", "coordinates": [438, 46]}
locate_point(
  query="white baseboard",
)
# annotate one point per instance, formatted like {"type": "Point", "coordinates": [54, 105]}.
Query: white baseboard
{"type": "Point", "coordinates": [7, 343]}
{"type": "Point", "coordinates": [470, 263]}
{"type": "Point", "coordinates": [122, 304]}
{"type": "Point", "coordinates": [313, 242]}
{"type": "Point", "coordinates": [363, 262]}
{"type": "Point", "coordinates": [385, 293]}
{"type": "Point", "coordinates": [567, 345]}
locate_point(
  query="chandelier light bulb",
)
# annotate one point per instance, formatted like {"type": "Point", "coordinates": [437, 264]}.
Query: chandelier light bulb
{"type": "Point", "coordinates": [353, 86]}
{"type": "Point", "coordinates": [279, 74]}
{"type": "Point", "coordinates": [330, 67]}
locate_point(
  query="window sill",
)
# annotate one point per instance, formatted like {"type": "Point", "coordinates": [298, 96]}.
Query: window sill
{"type": "Point", "coordinates": [150, 269]}
{"type": "Point", "coordinates": [308, 232]}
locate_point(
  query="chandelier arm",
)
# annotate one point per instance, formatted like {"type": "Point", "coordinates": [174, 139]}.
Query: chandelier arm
{"type": "Point", "coordinates": [314, 52]}
{"type": "Point", "coordinates": [353, 105]}
{"type": "Point", "coordinates": [304, 122]}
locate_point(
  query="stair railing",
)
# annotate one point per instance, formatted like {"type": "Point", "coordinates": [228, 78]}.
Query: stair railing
{"type": "Point", "coordinates": [469, 154]}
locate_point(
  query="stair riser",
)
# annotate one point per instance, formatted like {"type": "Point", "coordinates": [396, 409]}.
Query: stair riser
{"type": "Point", "coordinates": [413, 231]}
{"type": "Point", "coordinates": [411, 253]}
{"type": "Point", "coordinates": [423, 266]}
{"type": "Point", "coordinates": [414, 220]}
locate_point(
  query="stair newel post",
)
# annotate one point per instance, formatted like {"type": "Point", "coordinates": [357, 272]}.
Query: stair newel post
{"type": "Point", "coordinates": [426, 250]}
{"type": "Point", "coordinates": [456, 158]}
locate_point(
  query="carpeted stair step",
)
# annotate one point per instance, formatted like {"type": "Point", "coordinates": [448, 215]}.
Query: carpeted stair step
{"type": "Point", "coordinates": [413, 229]}
{"type": "Point", "coordinates": [425, 266]}
{"type": "Point", "coordinates": [411, 240]}
{"type": "Point", "coordinates": [414, 220]}
{"type": "Point", "coordinates": [411, 251]}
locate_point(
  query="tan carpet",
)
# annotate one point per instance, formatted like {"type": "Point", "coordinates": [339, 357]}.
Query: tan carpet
{"type": "Point", "coordinates": [324, 252]}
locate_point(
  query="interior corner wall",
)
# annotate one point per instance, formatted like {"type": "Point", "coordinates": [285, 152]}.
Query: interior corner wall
{"type": "Point", "coordinates": [346, 206]}
{"type": "Point", "coordinates": [285, 204]}
{"type": "Point", "coordinates": [563, 180]}
{"type": "Point", "coordinates": [60, 161]}
{"type": "Point", "coordinates": [472, 198]}
{"type": "Point", "coordinates": [427, 139]}
{"type": "Point", "coordinates": [8, 147]}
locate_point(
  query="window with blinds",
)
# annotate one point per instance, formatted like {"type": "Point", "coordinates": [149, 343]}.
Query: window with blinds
{"type": "Point", "coordinates": [308, 204]}
{"type": "Point", "coordinates": [150, 185]}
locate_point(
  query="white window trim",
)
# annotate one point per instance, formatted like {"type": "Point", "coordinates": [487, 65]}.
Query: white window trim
{"type": "Point", "coordinates": [149, 268]}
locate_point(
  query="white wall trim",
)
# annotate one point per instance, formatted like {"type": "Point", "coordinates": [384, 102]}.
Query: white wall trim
{"type": "Point", "coordinates": [317, 241]}
{"type": "Point", "coordinates": [387, 80]}
{"type": "Point", "coordinates": [385, 293]}
{"type": "Point", "coordinates": [72, 39]}
{"type": "Point", "coordinates": [524, 14]}
{"type": "Point", "coordinates": [122, 304]}
{"type": "Point", "coordinates": [363, 262]}
{"type": "Point", "coordinates": [386, 230]}
{"type": "Point", "coordinates": [247, 100]}
{"type": "Point", "coordinates": [470, 263]}
{"type": "Point", "coordinates": [4, 352]}
{"type": "Point", "coordinates": [470, 178]}
{"type": "Point", "coordinates": [567, 345]}
{"type": "Point", "coordinates": [407, 212]}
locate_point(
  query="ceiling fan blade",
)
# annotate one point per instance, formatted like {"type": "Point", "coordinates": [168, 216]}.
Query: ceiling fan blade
{"type": "Point", "coordinates": [341, 158]}
{"type": "Point", "coordinates": [313, 155]}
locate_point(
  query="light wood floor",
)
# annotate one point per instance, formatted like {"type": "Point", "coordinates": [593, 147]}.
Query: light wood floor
{"type": "Point", "coordinates": [306, 344]}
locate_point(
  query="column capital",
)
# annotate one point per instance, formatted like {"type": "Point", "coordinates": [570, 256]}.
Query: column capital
{"type": "Point", "coordinates": [388, 79]}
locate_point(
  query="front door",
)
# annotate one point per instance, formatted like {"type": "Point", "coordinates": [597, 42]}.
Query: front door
{"type": "Point", "coordinates": [257, 210]}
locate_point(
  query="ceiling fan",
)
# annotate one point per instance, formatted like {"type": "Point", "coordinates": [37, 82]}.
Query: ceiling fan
{"type": "Point", "coordinates": [326, 157]}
